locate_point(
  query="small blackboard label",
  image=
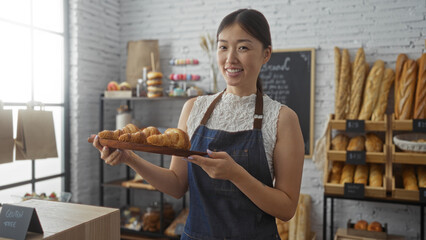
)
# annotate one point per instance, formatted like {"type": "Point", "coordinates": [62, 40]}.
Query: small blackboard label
{"type": "Point", "coordinates": [419, 125]}
{"type": "Point", "coordinates": [355, 157]}
{"type": "Point", "coordinates": [355, 126]}
{"type": "Point", "coordinates": [15, 221]}
{"type": "Point", "coordinates": [422, 195]}
{"type": "Point", "coordinates": [354, 190]}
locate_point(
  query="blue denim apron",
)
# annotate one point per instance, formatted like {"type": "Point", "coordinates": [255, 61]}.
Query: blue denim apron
{"type": "Point", "coordinates": [218, 209]}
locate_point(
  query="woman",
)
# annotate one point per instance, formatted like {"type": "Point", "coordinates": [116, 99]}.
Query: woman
{"type": "Point", "coordinates": [255, 147]}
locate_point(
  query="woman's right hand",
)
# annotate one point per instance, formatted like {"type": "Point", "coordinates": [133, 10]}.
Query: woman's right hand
{"type": "Point", "coordinates": [112, 156]}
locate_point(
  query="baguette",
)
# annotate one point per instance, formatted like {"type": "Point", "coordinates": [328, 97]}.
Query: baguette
{"type": "Point", "coordinates": [339, 142]}
{"type": "Point", "coordinates": [420, 98]}
{"type": "Point", "coordinates": [344, 86]}
{"type": "Point", "coordinates": [356, 144]}
{"type": "Point", "coordinates": [400, 60]}
{"type": "Point", "coordinates": [357, 85]}
{"type": "Point", "coordinates": [375, 177]}
{"type": "Point", "coordinates": [337, 64]}
{"type": "Point", "coordinates": [336, 172]}
{"type": "Point", "coordinates": [371, 91]}
{"type": "Point", "coordinates": [421, 174]}
{"type": "Point", "coordinates": [409, 178]}
{"type": "Point", "coordinates": [361, 174]}
{"type": "Point", "coordinates": [406, 90]}
{"type": "Point", "coordinates": [382, 103]}
{"type": "Point", "coordinates": [347, 174]}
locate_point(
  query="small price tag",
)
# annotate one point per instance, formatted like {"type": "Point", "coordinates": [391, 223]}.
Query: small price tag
{"type": "Point", "coordinates": [355, 126]}
{"type": "Point", "coordinates": [16, 221]}
{"type": "Point", "coordinates": [354, 190]}
{"type": "Point", "coordinates": [422, 195]}
{"type": "Point", "coordinates": [355, 157]}
{"type": "Point", "coordinates": [419, 125]}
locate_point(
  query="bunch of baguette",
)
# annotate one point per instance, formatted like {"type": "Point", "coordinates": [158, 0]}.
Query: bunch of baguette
{"type": "Point", "coordinates": [298, 228]}
{"type": "Point", "coordinates": [371, 174]}
{"type": "Point", "coordinates": [410, 88]}
{"type": "Point", "coordinates": [360, 93]}
{"type": "Point", "coordinates": [172, 137]}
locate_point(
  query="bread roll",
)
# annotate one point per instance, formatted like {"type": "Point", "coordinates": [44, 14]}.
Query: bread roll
{"type": "Point", "coordinates": [357, 85]}
{"type": "Point", "coordinates": [420, 98]}
{"type": "Point", "coordinates": [371, 91]}
{"type": "Point", "coordinates": [337, 64]}
{"type": "Point", "coordinates": [375, 227]}
{"type": "Point", "coordinates": [406, 90]}
{"type": "Point", "coordinates": [356, 144]}
{"type": "Point", "coordinates": [339, 142]}
{"type": "Point", "coordinates": [400, 60]}
{"type": "Point", "coordinates": [373, 143]}
{"type": "Point", "coordinates": [344, 86]}
{"type": "Point", "coordinates": [409, 178]}
{"type": "Point", "coordinates": [382, 103]}
{"type": "Point", "coordinates": [375, 177]}
{"type": "Point", "coordinates": [336, 172]}
{"type": "Point", "coordinates": [361, 174]}
{"type": "Point", "coordinates": [421, 175]}
{"type": "Point", "coordinates": [347, 174]}
{"type": "Point", "coordinates": [361, 225]}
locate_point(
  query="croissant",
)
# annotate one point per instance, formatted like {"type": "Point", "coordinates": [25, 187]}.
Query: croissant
{"type": "Point", "coordinates": [114, 135]}
{"type": "Point", "coordinates": [137, 137]}
{"type": "Point", "coordinates": [149, 131]}
{"type": "Point", "coordinates": [172, 137]}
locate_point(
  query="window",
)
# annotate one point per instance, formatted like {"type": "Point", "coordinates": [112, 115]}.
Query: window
{"type": "Point", "coordinates": [32, 69]}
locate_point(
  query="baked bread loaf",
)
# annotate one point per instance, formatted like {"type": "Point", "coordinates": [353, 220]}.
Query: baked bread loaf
{"type": "Point", "coordinates": [137, 137]}
{"type": "Point", "coordinates": [336, 172]}
{"type": "Point", "coordinates": [373, 143]}
{"type": "Point", "coordinates": [149, 131]}
{"type": "Point", "coordinates": [114, 135]}
{"type": "Point", "coordinates": [361, 225]}
{"type": "Point", "coordinates": [406, 90]}
{"type": "Point", "coordinates": [420, 98]}
{"type": "Point", "coordinates": [375, 177]}
{"type": "Point", "coordinates": [347, 174]}
{"type": "Point", "coordinates": [344, 86]}
{"type": "Point", "coordinates": [337, 64]}
{"type": "Point", "coordinates": [357, 85]}
{"type": "Point", "coordinates": [172, 137]}
{"type": "Point", "coordinates": [421, 175]}
{"type": "Point", "coordinates": [400, 60]}
{"type": "Point", "coordinates": [356, 144]}
{"type": "Point", "coordinates": [339, 142]}
{"type": "Point", "coordinates": [375, 227]}
{"type": "Point", "coordinates": [382, 103]}
{"type": "Point", "coordinates": [409, 178]}
{"type": "Point", "coordinates": [361, 174]}
{"type": "Point", "coordinates": [371, 91]}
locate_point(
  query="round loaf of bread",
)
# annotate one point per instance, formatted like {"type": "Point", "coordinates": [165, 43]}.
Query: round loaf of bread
{"type": "Point", "coordinates": [375, 226]}
{"type": "Point", "coordinates": [361, 225]}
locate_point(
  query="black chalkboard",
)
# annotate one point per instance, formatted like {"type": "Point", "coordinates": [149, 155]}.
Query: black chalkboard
{"type": "Point", "coordinates": [288, 78]}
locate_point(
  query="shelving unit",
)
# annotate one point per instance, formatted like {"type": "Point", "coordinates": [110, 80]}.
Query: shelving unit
{"type": "Point", "coordinates": [127, 183]}
{"type": "Point", "coordinates": [391, 155]}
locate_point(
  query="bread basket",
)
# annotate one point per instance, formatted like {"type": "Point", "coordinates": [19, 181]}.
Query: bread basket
{"type": "Point", "coordinates": [407, 142]}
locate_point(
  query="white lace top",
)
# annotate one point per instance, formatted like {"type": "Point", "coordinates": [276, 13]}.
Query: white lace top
{"type": "Point", "coordinates": [234, 113]}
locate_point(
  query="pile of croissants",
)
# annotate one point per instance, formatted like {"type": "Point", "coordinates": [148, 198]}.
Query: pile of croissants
{"type": "Point", "coordinates": [172, 137]}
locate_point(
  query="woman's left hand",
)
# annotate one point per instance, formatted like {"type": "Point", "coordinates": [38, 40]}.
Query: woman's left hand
{"type": "Point", "coordinates": [219, 165]}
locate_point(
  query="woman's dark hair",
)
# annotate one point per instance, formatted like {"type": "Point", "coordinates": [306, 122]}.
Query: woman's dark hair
{"type": "Point", "coordinates": [254, 23]}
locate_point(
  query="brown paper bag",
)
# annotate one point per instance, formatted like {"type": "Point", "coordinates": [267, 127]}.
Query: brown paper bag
{"type": "Point", "coordinates": [6, 136]}
{"type": "Point", "coordinates": [35, 136]}
{"type": "Point", "coordinates": [139, 56]}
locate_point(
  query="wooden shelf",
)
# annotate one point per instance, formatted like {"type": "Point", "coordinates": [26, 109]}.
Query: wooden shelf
{"type": "Point", "coordinates": [408, 157]}
{"type": "Point", "coordinates": [369, 125]}
{"type": "Point", "coordinates": [370, 157]}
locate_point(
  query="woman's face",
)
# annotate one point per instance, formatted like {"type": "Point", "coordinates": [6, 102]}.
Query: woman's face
{"type": "Point", "coordinates": [240, 57]}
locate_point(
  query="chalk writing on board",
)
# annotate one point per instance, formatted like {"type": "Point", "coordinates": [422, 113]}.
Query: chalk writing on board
{"type": "Point", "coordinates": [287, 78]}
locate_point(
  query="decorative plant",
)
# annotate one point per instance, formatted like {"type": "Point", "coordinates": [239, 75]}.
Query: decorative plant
{"type": "Point", "coordinates": [208, 44]}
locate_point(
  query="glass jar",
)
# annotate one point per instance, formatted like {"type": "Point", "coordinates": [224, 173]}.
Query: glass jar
{"type": "Point", "coordinates": [151, 220]}
{"type": "Point", "coordinates": [168, 213]}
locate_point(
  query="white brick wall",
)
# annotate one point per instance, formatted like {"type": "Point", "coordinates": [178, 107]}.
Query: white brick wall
{"type": "Point", "coordinates": [100, 31]}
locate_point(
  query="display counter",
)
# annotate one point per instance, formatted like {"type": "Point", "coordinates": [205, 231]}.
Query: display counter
{"type": "Point", "coordinates": [74, 221]}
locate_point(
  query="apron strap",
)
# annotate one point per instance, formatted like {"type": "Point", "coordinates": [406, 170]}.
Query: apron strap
{"type": "Point", "coordinates": [258, 111]}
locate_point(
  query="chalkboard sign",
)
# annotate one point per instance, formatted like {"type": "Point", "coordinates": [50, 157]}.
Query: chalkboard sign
{"type": "Point", "coordinates": [15, 221]}
{"type": "Point", "coordinates": [288, 78]}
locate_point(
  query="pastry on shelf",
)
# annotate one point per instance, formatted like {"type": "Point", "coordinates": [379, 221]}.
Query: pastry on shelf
{"type": "Point", "coordinates": [361, 174]}
{"type": "Point", "coordinates": [347, 174]}
{"type": "Point", "coordinates": [376, 175]}
{"type": "Point", "coordinates": [336, 172]}
{"type": "Point", "coordinates": [356, 144]}
{"type": "Point", "coordinates": [409, 178]}
{"type": "Point", "coordinates": [340, 142]}
{"type": "Point", "coordinates": [373, 143]}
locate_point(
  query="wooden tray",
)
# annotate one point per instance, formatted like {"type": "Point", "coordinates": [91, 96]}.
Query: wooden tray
{"type": "Point", "coordinates": [146, 148]}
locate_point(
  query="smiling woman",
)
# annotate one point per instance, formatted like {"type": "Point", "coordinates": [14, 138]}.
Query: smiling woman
{"type": "Point", "coordinates": [32, 59]}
